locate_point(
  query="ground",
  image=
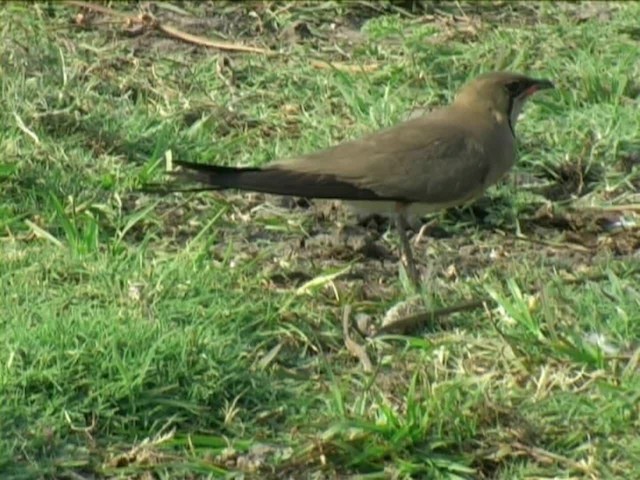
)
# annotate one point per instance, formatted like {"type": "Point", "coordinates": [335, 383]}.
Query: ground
{"type": "Point", "coordinates": [201, 335]}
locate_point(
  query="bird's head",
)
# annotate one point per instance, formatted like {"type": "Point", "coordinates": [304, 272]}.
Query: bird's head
{"type": "Point", "coordinates": [502, 93]}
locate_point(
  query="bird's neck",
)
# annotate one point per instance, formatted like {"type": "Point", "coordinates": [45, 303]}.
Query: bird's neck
{"type": "Point", "coordinates": [480, 109]}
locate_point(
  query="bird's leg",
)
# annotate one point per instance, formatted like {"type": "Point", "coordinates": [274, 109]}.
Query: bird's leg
{"type": "Point", "coordinates": [406, 252]}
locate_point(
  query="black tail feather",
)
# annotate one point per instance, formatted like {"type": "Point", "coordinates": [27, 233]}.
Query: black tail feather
{"type": "Point", "coordinates": [278, 181]}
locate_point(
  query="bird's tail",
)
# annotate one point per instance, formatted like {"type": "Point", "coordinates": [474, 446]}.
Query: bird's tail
{"type": "Point", "coordinates": [279, 181]}
{"type": "Point", "coordinates": [210, 177]}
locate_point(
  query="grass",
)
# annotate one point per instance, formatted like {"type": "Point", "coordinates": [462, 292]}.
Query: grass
{"type": "Point", "coordinates": [200, 336]}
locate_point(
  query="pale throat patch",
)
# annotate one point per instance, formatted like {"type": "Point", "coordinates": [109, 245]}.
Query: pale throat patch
{"type": "Point", "coordinates": [516, 109]}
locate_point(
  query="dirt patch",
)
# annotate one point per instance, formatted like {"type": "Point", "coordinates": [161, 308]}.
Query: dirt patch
{"type": "Point", "coordinates": [263, 24]}
{"type": "Point", "coordinates": [631, 161]}
{"type": "Point", "coordinates": [279, 26]}
{"type": "Point", "coordinates": [294, 244]}
{"type": "Point", "coordinates": [572, 179]}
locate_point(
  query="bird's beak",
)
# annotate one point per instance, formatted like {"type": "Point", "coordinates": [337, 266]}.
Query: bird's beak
{"type": "Point", "coordinates": [539, 85]}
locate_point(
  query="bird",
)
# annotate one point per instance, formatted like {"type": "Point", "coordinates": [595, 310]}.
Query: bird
{"type": "Point", "coordinates": [444, 158]}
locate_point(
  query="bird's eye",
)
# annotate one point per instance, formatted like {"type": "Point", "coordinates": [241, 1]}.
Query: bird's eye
{"type": "Point", "coordinates": [515, 88]}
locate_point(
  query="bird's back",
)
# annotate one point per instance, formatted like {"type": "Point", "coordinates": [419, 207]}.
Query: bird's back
{"type": "Point", "coordinates": [443, 157]}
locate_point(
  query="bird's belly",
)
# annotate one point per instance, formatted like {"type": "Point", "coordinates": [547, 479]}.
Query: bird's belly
{"type": "Point", "coordinates": [390, 208]}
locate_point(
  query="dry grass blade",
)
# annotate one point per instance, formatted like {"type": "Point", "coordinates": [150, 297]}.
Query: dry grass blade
{"type": "Point", "coordinates": [343, 67]}
{"type": "Point", "coordinates": [353, 347]}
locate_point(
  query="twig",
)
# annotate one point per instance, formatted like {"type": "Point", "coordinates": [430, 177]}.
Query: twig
{"type": "Point", "coordinates": [187, 37]}
{"type": "Point", "coordinates": [560, 246]}
{"type": "Point", "coordinates": [413, 322]}
{"type": "Point", "coordinates": [546, 456]}
{"type": "Point", "coordinates": [614, 208]}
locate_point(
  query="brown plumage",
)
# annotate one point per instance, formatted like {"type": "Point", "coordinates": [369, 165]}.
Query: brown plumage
{"type": "Point", "coordinates": [444, 158]}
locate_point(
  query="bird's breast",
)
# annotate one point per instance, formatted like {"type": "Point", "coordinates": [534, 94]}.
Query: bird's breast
{"type": "Point", "coordinates": [502, 154]}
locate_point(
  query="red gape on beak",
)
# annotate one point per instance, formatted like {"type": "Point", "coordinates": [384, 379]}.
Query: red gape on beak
{"type": "Point", "coordinates": [540, 85]}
